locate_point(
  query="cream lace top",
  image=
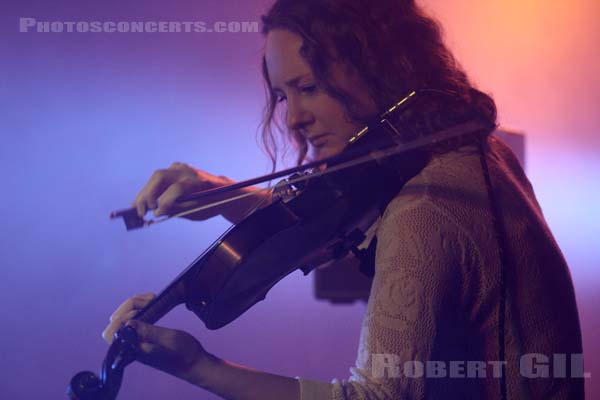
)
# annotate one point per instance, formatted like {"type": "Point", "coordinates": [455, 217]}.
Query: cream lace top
{"type": "Point", "coordinates": [435, 294]}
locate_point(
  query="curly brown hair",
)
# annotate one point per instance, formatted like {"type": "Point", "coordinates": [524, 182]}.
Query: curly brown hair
{"type": "Point", "coordinates": [392, 44]}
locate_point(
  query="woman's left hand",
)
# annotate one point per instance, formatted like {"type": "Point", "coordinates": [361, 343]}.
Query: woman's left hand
{"type": "Point", "coordinates": [173, 351]}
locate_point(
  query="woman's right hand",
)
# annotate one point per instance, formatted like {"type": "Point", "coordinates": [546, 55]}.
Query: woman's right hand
{"type": "Point", "coordinates": [165, 186]}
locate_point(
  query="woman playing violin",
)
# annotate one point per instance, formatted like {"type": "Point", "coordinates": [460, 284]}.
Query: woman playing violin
{"type": "Point", "coordinates": [329, 66]}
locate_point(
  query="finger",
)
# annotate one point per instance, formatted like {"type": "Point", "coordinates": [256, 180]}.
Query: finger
{"type": "Point", "coordinates": [158, 183]}
{"type": "Point", "coordinates": [179, 165]}
{"type": "Point", "coordinates": [152, 334]}
{"type": "Point", "coordinates": [133, 303]}
{"type": "Point", "coordinates": [139, 205]}
{"type": "Point", "coordinates": [148, 348]}
{"type": "Point", "coordinates": [140, 208]}
{"type": "Point", "coordinates": [116, 324]}
{"type": "Point", "coordinates": [167, 202]}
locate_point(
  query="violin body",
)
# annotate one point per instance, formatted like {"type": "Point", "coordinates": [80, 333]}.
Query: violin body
{"type": "Point", "coordinates": [319, 225]}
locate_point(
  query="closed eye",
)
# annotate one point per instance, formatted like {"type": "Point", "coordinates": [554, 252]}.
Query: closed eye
{"type": "Point", "coordinates": [308, 89]}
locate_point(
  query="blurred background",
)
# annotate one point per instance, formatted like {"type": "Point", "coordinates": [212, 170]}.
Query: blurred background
{"type": "Point", "coordinates": [85, 118]}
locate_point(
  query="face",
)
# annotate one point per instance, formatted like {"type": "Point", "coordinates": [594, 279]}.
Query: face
{"type": "Point", "coordinates": [310, 111]}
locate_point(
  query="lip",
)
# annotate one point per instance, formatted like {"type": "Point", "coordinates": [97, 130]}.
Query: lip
{"type": "Point", "coordinates": [318, 140]}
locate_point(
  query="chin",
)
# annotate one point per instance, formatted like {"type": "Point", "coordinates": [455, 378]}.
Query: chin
{"type": "Point", "coordinates": [322, 154]}
{"type": "Point", "coordinates": [326, 152]}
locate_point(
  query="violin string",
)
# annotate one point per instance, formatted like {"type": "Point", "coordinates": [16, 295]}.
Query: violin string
{"type": "Point", "coordinates": [463, 129]}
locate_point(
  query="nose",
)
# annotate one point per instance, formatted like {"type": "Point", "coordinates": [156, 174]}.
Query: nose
{"type": "Point", "coordinates": [298, 116]}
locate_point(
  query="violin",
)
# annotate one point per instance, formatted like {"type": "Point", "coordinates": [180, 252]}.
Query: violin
{"type": "Point", "coordinates": [314, 219]}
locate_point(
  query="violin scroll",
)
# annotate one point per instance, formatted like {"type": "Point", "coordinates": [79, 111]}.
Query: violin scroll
{"type": "Point", "coordinates": [87, 385]}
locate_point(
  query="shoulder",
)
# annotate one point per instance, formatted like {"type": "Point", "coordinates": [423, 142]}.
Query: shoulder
{"type": "Point", "coordinates": [434, 218]}
{"type": "Point", "coordinates": [451, 191]}
{"type": "Point", "coordinates": [436, 200]}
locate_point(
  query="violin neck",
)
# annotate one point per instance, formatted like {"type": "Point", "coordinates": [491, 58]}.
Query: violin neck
{"type": "Point", "coordinates": [167, 300]}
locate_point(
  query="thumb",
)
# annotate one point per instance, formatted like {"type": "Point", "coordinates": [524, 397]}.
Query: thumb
{"type": "Point", "coordinates": [146, 332]}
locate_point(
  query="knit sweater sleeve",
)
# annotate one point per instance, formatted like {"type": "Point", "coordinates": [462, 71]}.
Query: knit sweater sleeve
{"type": "Point", "coordinates": [412, 313]}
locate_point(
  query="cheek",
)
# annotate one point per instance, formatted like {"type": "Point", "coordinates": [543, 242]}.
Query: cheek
{"type": "Point", "coordinates": [338, 122]}
{"type": "Point", "coordinates": [348, 130]}
{"type": "Point", "coordinates": [333, 119]}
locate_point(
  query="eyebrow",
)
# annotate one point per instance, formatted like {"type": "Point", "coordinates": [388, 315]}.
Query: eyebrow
{"type": "Point", "coordinates": [293, 81]}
